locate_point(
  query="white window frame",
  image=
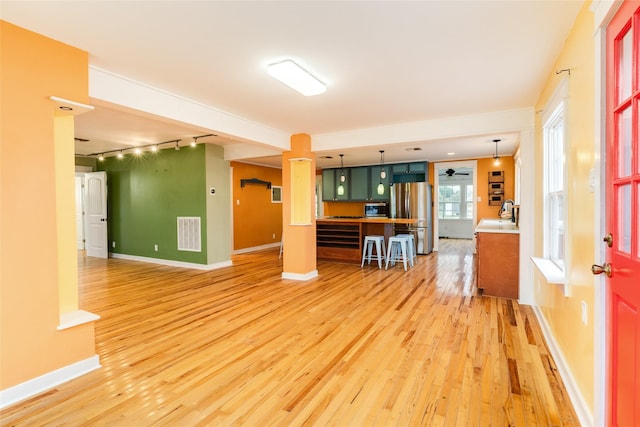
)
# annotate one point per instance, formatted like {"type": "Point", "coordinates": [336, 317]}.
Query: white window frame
{"type": "Point", "coordinates": [463, 203]}
{"type": "Point", "coordinates": [555, 116]}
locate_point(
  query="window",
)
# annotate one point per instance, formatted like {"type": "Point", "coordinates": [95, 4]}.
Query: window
{"type": "Point", "coordinates": [554, 173]}
{"type": "Point", "coordinates": [455, 201]}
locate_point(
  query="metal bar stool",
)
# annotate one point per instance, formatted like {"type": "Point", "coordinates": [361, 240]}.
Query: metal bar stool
{"type": "Point", "coordinates": [398, 250]}
{"type": "Point", "coordinates": [367, 249]}
{"type": "Point", "coordinates": [411, 248]}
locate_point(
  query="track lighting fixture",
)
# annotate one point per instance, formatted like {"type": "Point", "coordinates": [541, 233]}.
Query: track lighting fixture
{"type": "Point", "coordinates": [342, 177]}
{"type": "Point", "coordinates": [120, 152]}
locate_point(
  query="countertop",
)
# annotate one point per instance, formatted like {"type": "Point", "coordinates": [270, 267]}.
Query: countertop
{"type": "Point", "coordinates": [369, 220]}
{"type": "Point", "coordinates": [497, 225]}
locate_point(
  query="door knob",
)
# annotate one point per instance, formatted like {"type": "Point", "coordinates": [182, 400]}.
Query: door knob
{"type": "Point", "coordinates": [608, 239]}
{"type": "Point", "coordinates": [599, 269]}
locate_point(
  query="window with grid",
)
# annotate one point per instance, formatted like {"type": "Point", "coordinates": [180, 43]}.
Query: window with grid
{"type": "Point", "coordinates": [455, 201]}
{"type": "Point", "coordinates": [554, 172]}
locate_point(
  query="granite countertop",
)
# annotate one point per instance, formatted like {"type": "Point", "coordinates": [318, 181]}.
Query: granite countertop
{"type": "Point", "coordinates": [497, 225]}
{"type": "Point", "coordinates": [368, 220]}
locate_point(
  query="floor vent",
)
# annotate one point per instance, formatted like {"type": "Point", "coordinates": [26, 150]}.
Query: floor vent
{"type": "Point", "coordinates": [189, 233]}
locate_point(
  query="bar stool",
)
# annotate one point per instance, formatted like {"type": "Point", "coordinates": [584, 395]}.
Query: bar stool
{"type": "Point", "coordinates": [367, 249]}
{"type": "Point", "coordinates": [411, 248]}
{"type": "Point", "coordinates": [398, 250]}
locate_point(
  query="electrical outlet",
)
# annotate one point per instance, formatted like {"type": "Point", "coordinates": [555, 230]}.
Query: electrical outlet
{"type": "Point", "coordinates": [113, 244]}
{"type": "Point", "coordinates": [238, 202]}
{"type": "Point", "coordinates": [584, 312]}
{"type": "Point", "coordinates": [273, 236]}
{"type": "Point", "coordinates": [479, 199]}
{"type": "Point", "coordinates": [155, 248]}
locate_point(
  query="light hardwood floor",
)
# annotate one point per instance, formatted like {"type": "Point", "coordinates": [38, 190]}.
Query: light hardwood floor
{"type": "Point", "coordinates": [353, 347]}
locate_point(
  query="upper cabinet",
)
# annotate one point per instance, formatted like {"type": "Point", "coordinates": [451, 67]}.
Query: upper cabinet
{"type": "Point", "coordinates": [410, 172]}
{"type": "Point", "coordinates": [359, 184]}
{"type": "Point", "coordinates": [375, 180]}
{"type": "Point", "coordinates": [362, 182]}
{"type": "Point", "coordinates": [331, 180]}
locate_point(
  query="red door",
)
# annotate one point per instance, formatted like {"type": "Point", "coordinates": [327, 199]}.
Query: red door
{"type": "Point", "coordinates": [623, 215]}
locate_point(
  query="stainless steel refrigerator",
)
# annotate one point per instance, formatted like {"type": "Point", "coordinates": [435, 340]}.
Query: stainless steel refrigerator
{"type": "Point", "coordinates": [413, 200]}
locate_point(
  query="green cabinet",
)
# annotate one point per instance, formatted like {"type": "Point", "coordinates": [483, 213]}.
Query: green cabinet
{"type": "Point", "coordinates": [331, 182]}
{"type": "Point", "coordinates": [410, 172]}
{"type": "Point", "coordinates": [359, 185]}
{"type": "Point", "coordinates": [328, 185]}
{"type": "Point", "coordinates": [375, 180]}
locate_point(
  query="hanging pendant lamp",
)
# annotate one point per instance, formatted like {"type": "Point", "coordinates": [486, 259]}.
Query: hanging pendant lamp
{"type": "Point", "coordinates": [496, 158]}
{"type": "Point", "coordinates": [342, 177]}
{"type": "Point", "coordinates": [383, 174]}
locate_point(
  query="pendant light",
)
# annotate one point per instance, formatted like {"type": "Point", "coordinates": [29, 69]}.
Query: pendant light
{"type": "Point", "coordinates": [383, 174]}
{"type": "Point", "coordinates": [342, 177]}
{"type": "Point", "coordinates": [496, 159]}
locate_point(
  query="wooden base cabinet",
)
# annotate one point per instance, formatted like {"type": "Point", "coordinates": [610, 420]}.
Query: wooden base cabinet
{"type": "Point", "coordinates": [498, 264]}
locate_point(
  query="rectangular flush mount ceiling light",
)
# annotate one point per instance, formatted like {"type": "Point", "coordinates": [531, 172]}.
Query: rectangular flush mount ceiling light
{"type": "Point", "coordinates": [290, 73]}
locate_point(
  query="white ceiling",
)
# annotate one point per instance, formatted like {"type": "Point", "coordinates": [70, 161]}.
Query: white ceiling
{"type": "Point", "coordinates": [384, 62]}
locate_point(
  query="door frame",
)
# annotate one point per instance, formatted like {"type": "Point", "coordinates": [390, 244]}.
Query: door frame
{"type": "Point", "coordinates": [473, 164]}
{"type": "Point", "coordinates": [603, 10]}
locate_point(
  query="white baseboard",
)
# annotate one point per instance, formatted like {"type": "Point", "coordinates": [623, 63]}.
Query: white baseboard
{"type": "Point", "coordinates": [579, 404]}
{"type": "Point", "coordinates": [257, 248]}
{"type": "Point", "coordinates": [47, 381]}
{"type": "Point", "coordinates": [172, 263]}
{"type": "Point", "coordinates": [300, 277]}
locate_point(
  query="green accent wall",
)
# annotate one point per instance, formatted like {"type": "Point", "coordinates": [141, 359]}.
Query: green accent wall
{"type": "Point", "coordinates": [145, 196]}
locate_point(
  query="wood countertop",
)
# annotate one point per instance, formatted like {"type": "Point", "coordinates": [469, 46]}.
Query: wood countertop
{"type": "Point", "coordinates": [369, 220]}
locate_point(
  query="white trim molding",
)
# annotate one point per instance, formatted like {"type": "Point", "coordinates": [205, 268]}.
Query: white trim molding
{"type": "Point", "coordinates": [257, 248]}
{"type": "Point", "coordinates": [579, 404]}
{"type": "Point", "coordinates": [172, 263]}
{"type": "Point", "coordinates": [300, 277]}
{"type": "Point", "coordinates": [30, 388]}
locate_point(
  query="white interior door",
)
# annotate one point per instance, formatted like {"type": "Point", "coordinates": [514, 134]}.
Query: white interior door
{"type": "Point", "coordinates": [95, 197]}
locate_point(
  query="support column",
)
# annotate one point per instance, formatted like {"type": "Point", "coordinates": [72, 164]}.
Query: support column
{"type": "Point", "coordinates": [298, 210]}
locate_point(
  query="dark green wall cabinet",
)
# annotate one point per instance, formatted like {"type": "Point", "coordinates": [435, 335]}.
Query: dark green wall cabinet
{"type": "Point", "coordinates": [362, 182]}
{"type": "Point", "coordinates": [331, 182]}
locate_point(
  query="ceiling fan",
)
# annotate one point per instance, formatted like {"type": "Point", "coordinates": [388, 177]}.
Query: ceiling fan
{"type": "Point", "coordinates": [451, 172]}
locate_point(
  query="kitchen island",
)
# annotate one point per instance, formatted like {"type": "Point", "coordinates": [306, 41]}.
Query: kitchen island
{"type": "Point", "coordinates": [498, 258]}
{"type": "Point", "coordinates": [341, 238]}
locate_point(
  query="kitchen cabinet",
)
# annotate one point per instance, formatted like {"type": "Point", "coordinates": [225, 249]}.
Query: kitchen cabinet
{"type": "Point", "coordinates": [359, 185]}
{"type": "Point", "coordinates": [330, 183]}
{"type": "Point", "coordinates": [374, 180]}
{"type": "Point", "coordinates": [498, 263]}
{"type": "Point", "coordinates": [410, 172]}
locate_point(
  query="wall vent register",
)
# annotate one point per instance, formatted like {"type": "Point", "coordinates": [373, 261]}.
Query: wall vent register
{"type": "Point", "coordinates": [189, 235]}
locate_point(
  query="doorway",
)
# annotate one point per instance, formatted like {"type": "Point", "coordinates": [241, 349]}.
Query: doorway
{"type": "Point", "coordinates": [455, 195]}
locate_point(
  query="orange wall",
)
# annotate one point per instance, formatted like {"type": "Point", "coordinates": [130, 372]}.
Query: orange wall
{"type": "Point", "coordinates": [255, 218]}
{"type": "Point", "coordinates": [33, 69]}
{"type": "Point", "coordinates": [484, 167]}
